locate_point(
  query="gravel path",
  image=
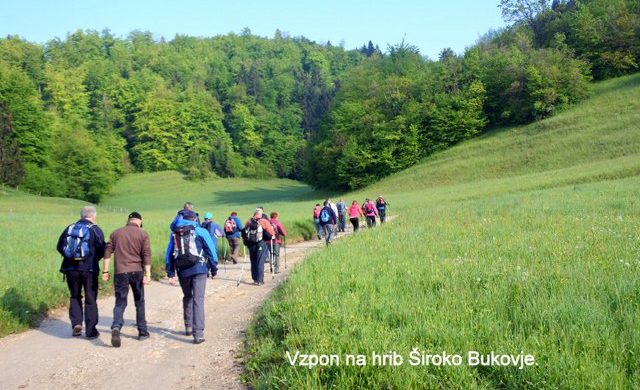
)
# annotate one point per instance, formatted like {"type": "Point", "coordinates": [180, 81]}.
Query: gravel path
{"type": "Point", "coordinates": [49, 358]}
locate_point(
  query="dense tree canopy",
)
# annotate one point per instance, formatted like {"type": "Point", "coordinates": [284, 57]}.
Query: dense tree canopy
{"type": "Point", "coordinates": [80, 112]}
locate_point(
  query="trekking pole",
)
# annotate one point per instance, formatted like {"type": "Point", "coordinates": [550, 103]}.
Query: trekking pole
{"type": "Point", "coordinates": [224, 256]}
{"type": "Point", "coordinates": [271, 259]}
{"type": "Point", "coordinates": [244, 250]}
{"type": "Point", "coordinates": [284, 238]}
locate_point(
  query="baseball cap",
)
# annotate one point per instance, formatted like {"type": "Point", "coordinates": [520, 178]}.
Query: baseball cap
{"type": "Point", "coordinates": [136, 215]}
{"type": "Point", "coordinates": [208, 215]}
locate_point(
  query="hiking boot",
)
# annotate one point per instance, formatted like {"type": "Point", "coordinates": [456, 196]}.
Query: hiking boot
{"type": "Point", "coordinates": [77, 331]}
{"type": "Point", "coordinates": [234, 262]}
{"type": "Point", "coordinates": [115, 338]}
{"type": "Point", "coordinates": [187, 331]}
{"type": "Point", "coordinates": [198, 340]}
{"type": "Point", "coordinates": [143, 335]}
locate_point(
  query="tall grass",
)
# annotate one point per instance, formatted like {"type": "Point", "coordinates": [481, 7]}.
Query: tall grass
{"type": "Point", "coordinates": [30, 283]}
{"type": "Point", "coordinates": [526, 239]}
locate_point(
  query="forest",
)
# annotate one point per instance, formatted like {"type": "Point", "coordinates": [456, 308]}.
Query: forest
{"type": "Point", "coordinates": [78, 113]}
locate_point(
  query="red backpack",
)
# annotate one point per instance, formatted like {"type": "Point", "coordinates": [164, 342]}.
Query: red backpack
{"type": "Point", "coordinates": [230, 226]}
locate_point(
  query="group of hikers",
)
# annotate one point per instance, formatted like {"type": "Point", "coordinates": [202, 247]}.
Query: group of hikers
{"type": "Point", "coordinates": [331, 218]}
{"type": "Point", "coordinates": [191, 257]}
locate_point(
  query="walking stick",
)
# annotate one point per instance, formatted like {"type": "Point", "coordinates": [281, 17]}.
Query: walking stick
{"type": "Point", "coordinates": [224, 256]}
{"type": "Point", "coordinates": [284, 240]}
{"type": "Point", "coordinates": [244, 250]}
{"type": "Point", "coordinates": [271, 259]}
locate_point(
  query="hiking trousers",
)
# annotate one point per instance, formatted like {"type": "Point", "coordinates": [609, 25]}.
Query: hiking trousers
{"type": "Point", "coordinates": [316, 221]}
{"type": "Point", "coordinates": [383, 215]}
{"type": "Point", "coordinates": [330, 232]}
{"type": "Point", "coordinates": [342, 222]}
{"type": "Point", "coordinates": [257, 254]}
{"type": "Point", "coordinates": [121, 283]}
{"type": "Point", "coordinates": [355, 222]}
{"type": "Point", "coordinates": [193, 288]}
{"type": "Point", "coordinates": [87, 281]}
{"type": "Point", "coordinates": [371, 220]}
{"type": "Point", "coordinates": [234, 248]}
{"type": "Point", "coordinates": [276, 257]}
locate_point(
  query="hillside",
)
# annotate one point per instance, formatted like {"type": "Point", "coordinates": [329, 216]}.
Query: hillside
{"type": "Point", "coordinates": [524, 240]}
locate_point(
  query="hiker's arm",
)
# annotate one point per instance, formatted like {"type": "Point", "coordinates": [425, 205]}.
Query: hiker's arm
{"type": "Point", "coordinates": [105, 271]}
{"type": "Point", "coordinates": [146, 259]}
{"type": "Point", "coordinates": [168, 264]}
{"type": "Point", "coordinates": [282, 230]}
{"type": "Point", "coordinates": [60, 245]}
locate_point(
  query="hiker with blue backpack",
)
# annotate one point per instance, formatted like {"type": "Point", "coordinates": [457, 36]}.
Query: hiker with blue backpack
{"type": "Point", "coordinates": [328, 219]}
{"type": "Point", "coordinates": [82, 245]}
{"type": "Point", "coordinates": [232, 230]}
{"type": "Point", "coordinates": [192, 255]}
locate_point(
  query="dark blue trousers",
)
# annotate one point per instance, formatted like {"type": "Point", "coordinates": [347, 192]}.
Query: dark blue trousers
{"type": "Point", "coordinates": [87, 281]}
{"type": "Point", "coordinates": [257, 254]}
{"type": "Point", "coordinates": [122, 282]}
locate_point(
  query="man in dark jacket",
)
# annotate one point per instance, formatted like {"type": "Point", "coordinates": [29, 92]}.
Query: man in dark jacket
{"type": "Point", "coordinates": [194, 245]}
{"type": "Point", "coordinates": [328, 220]}
{"type": "Point", "coordinates": [82, 246]}
{"type": "Point", "coordinates": [132, 264]}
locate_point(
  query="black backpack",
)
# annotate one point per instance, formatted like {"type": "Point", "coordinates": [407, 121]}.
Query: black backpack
{"type": "Point", "coordinates": [185, 250]}
{"type": "Point", "coordinates": [253, 232]}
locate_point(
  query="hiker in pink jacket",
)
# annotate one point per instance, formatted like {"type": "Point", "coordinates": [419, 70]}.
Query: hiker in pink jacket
{"type": "Point", "coordinates": [280, 232]}
{"type": "Point", "coordinates": [370, 212]}
{"type": "Point", "coordinates": [355, 212]}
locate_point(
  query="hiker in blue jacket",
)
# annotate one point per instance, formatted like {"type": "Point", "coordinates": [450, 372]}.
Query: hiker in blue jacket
{"type": "Point", "coordinates": [213, 228]}
{"type": "Point", "coordinates": [190, 249]}
{"type": "Point", "coordinates": [328, 220]}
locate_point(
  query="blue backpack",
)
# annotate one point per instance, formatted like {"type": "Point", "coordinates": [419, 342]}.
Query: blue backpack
{"type": "Point", "coordinates": [76, 245]}
{"type": "Point", "coordinates": [325, 216]}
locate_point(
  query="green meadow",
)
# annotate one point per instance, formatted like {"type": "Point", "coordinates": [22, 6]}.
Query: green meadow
{"type": "Point", "coordinates": [524, 240]}
{"type": "Point", "coordinates": [30, 283]}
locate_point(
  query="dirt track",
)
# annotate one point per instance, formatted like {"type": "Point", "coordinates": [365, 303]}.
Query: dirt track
{"type": "Point", "coordinates": [49, 358]}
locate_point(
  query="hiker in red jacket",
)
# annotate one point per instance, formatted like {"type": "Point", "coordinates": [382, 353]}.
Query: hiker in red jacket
{"type": "Point", "coordinates": [280, 232]}
{"type": "Point", "coordinates": [316, 220]}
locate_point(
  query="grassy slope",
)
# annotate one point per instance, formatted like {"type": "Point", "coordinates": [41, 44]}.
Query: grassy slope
{"type": "Point", "coordinates": [526, 239]}
{"type": "Point", "coordinates": [30, 283]}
